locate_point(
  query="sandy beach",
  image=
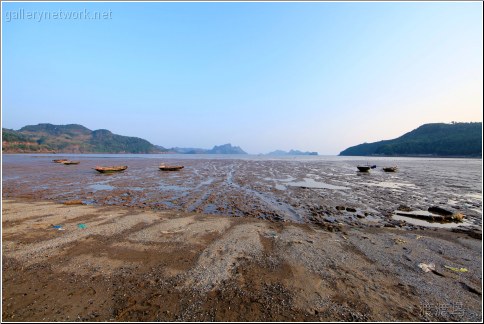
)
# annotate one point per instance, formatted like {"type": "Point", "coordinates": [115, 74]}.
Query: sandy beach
{"type": "Point", "coordinates": [90, 263]}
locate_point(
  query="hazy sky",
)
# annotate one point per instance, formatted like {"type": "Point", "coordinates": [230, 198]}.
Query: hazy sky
{"type": "Point", "coordinates": [264, 76]}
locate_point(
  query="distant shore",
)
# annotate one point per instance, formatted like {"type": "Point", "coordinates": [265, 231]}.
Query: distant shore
{"type": "Point", "coordinates": [258, 155]}
{"type": "Point", "coordinates": [418, 156]}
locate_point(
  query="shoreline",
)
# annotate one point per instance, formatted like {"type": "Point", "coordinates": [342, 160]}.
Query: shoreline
{"type": "Point", "coordinates": [143, 265]}
{"type": "Point", "coordinates": [256, 155]}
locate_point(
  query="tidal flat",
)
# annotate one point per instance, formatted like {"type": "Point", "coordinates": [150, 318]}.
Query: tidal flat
{"type": "Point", "coordinates": [250, 239]}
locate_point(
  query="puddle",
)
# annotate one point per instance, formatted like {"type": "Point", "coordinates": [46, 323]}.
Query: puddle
{"type": "Point", "coordinates": [136, 188]}
{"type": "Point", "coordinates": [288, 179]}
{"type": "Point", "coordinates": [310, 183]}
{"type": "Point", "coordinates": [206, 182]}
{"type": "Point", "coordinates": [173, 188]}
{"type": "Point", "coordinates": [428, 223]}
{"type": "Point", "coordinates": [210, 209]}
{"type": "Point", "coordinates": [97, 187]}
{"type": "Point", "coordinates": [391, 185]}
{"type": "Point", "coordinates": [280, 187]}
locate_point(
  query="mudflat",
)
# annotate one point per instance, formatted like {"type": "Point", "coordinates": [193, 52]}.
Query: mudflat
{"type": "Point", "coordinates": [113, 263]}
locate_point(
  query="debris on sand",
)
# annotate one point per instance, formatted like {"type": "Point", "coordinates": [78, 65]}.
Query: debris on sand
{"type": "Point", "coordinates": [73, 202]}
{"type": "Point", "coordinates": [456, 269]}
{"type": "Point", "coordinates": [427, 267]}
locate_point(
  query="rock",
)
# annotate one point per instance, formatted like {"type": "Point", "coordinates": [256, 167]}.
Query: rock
{"type": "Point", "coordinates": [340, 207]}
{"type": "Point", "coordinates": [458, 217]}
{"type": "Point", "coordinates": [360, 216]}
{"type": "Point", "coordinates": [428, 216]}
{"type": "Point", "coordinates": [351, 209]}
{"type": "Point", "coordinates": [440, 211]}
{"type": "Point", "coordinates": [404, 208]}
{"type": "Point", "coordinates": [475, 233]}
{"type": "Point", "coordinates": [329, 219]}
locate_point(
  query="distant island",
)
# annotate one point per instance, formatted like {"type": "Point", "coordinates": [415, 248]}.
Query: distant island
{"type": "Point", "coordinates": [436, 139]}
{"type": "Point", "coordinates": [291, 152]}
{"type": "Point", "coordinates": [222, 149]}
{"type": "Point", "coordinates": [74, 138]}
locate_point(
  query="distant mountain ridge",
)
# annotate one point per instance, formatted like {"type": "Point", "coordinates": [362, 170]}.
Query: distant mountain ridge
{"type": "Point", "coordinates": [291, 152]}
{"type": "Point", "coordinates": [436, 139]}
{"type": "Point", "coordinates": [72, 138]}
{"type": "Point", "coordinates": [221, 149]}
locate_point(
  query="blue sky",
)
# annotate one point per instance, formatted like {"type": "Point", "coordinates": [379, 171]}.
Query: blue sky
{"type": "Point", "coordinates": [264, 76]}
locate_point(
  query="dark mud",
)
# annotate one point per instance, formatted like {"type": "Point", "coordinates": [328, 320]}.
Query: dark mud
{"type": "Point", "coordinates": [324, 190]}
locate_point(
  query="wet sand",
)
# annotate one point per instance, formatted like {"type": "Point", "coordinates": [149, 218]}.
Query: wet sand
{"type": "Point", "coordinates": [296, 190]}
{"type": "Point", "coordinates": [132, 264]}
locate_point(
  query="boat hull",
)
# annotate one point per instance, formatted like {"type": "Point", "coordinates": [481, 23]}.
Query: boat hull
{"type": "Point", "coordinates": [171, 168]}
{"type": "Point", "coordinates": [110, 169]}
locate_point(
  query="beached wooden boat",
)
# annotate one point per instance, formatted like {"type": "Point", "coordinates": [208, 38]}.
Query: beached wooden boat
{"type": "Point", "coordinates": [364, 168]}
{"type": "Point", "coordinates": [171, 167]}
{"type": "Point", "coordinates": [59, 160]}
{"type": "Point", "coordinates": [68, 162]}
{"type": "Point", "coordinates": [109, 169]}
{"type": "Point", "coordinates": [390, 169]}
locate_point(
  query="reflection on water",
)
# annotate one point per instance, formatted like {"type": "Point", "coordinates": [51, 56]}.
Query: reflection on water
{"type": "Point", "coordinates": [280, 187]}
{"type": "Point", "coordinates": [311, 183]}
{"type": "Point", "coordinates": [390, 185]}
{"type": "Point", "coordinates": [422, 222]}
{"type": "Point", "coordinates": [100, 186]}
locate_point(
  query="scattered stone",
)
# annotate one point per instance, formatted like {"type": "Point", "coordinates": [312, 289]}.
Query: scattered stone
{"type": "Point", "coordinates": [329, 219]}
{"type": "Point", "coordinates": [340, 207]}
{"type": "Point", "coordinates": [458, 217]}
{"type": "Point", "coordinates": [404, 208]}
{"type": "Point", "coordinates": [351, 209]}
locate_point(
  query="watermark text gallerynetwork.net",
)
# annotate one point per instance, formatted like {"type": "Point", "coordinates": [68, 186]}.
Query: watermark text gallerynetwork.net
{"type": "Point", "coordinates": [39, 15]}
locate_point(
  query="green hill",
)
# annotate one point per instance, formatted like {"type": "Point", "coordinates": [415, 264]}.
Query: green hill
{"type": "Point", "coordinates": [438, 139]}
{"type": "Point", "coordinates": [48, 138]}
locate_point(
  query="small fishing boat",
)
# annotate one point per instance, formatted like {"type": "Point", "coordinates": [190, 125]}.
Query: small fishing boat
{"type": "Point", "coordinates": [68, 162]}
{"type": "Point", "coordinates": [109, 169]}
{"type": "Point", "coordinates": [60, 160]}
{"type": "Point", "coordinates": [390, 169]}
{"type": "Point", "coordinates": [364, 168]}
{"type": "Point", "coordinates": [171, 167]}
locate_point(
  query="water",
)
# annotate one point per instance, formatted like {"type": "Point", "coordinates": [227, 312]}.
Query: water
{"type": "Point", "coordinates": [311, 183]}
{"type": "Point", "coordinates": [100, 186]}
{"type": "Point", "coordinates": [422, 222]}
